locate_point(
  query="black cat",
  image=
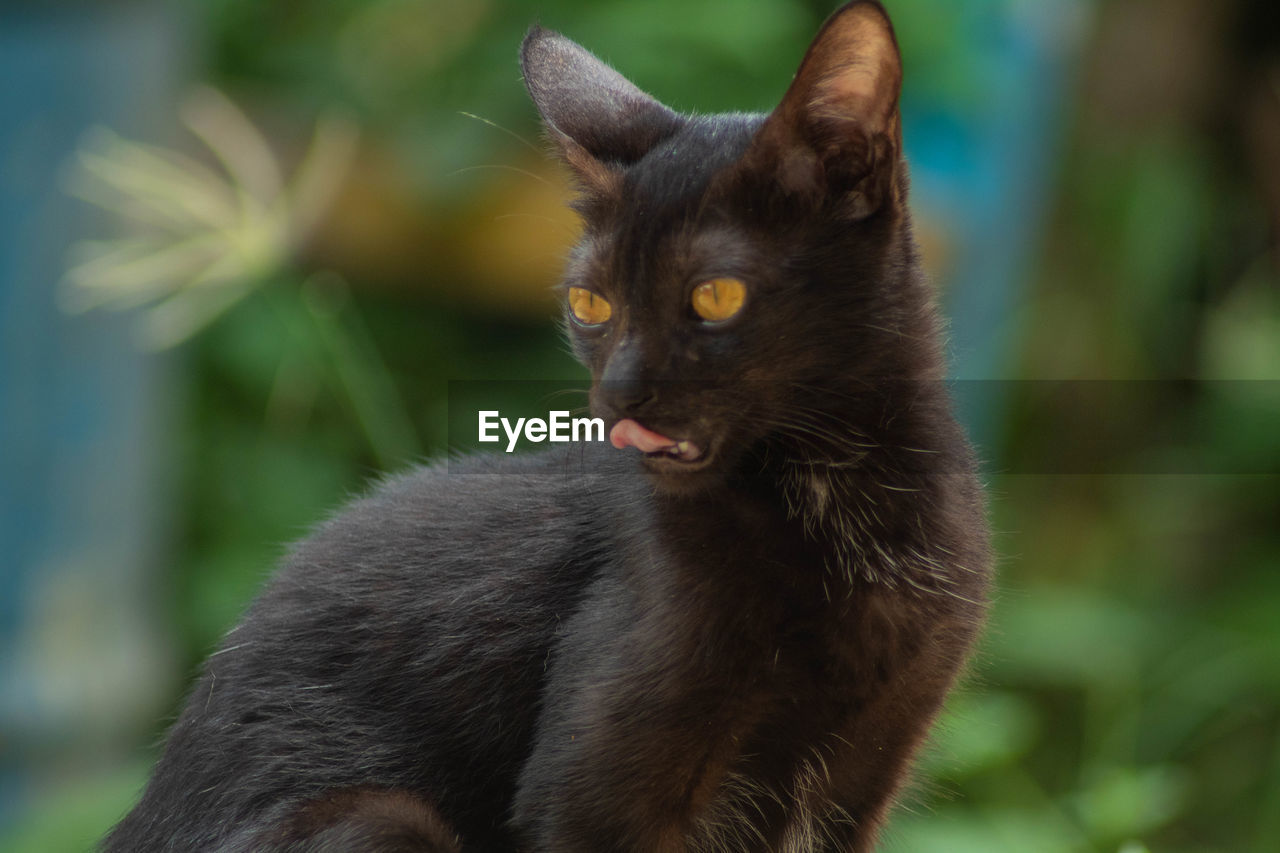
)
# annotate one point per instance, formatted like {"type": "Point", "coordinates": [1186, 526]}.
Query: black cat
{"type": "Point", "coordinates": [729, 631]}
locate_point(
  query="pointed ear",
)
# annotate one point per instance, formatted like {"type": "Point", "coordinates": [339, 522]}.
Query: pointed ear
{"type": "Point", "coordinates": [837, 133]}
{"type": "Point", "coordinates": [597, 118]}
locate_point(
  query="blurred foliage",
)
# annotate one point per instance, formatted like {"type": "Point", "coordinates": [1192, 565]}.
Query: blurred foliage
{"type": "Point", "coordinates": [1127, 695]}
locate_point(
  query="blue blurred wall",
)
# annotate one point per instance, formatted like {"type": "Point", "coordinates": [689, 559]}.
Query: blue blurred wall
{"type": "Point", "coordinates": [82, 411]}
{"type": "Point", "coordinates": [983, 172]}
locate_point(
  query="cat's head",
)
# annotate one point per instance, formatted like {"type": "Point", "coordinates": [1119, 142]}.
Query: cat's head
{"type": "Point", "coordinates": [738, 274]}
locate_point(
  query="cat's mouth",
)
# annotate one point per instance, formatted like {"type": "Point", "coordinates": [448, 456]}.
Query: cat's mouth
{"type": "Point", "coordinates": [654, 445]}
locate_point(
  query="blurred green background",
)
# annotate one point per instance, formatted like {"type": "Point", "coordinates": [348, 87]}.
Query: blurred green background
{"type": "Point", "coordinates": [318, 213]}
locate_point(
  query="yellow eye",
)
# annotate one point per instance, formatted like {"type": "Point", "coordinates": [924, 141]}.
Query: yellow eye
{"type": "Point", "coordinates": [590, 308]}
{"type": "Point", "coordinates": [719, 299]}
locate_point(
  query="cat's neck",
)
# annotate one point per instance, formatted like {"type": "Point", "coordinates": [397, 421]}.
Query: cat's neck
{"type": "Point", "coordinates": [856, 472]}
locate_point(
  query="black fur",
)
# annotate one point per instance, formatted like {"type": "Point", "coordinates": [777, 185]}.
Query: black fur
{"type": "Point", "coordinates": [587, 650]}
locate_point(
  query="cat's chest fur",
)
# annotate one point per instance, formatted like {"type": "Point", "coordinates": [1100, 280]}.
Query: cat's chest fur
{"type": "Point", "coordinates": [748, 597]}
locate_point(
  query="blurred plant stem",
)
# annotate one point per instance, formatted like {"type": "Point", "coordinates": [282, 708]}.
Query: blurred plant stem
{"type": "Point", "coordinates": [354, 368]}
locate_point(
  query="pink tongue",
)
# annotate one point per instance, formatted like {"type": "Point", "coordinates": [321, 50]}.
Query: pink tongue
{"type": "Point", "coordinates": [628, 433]}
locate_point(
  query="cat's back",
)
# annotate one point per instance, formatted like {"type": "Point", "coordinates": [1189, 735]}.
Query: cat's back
{"type": "Point", "coordinates": [406, 639]}
{"type": "Point", "coordinates": [460, 519]}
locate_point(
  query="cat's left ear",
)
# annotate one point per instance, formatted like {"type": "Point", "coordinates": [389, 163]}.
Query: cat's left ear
{"type": "Point", "coordinates": [837, 133]}
{"type": "Point", "coordinates": [600, 121]}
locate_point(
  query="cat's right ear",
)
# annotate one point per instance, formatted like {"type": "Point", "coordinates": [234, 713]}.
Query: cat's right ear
{"type": "Point", "coordinates": [599, 121]}
{"type": "Point", "coordinates": [837, 133]}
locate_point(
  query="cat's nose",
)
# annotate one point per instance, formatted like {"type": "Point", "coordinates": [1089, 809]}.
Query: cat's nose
{"type": "Point", "coordinates": [628, 398]}
{"type": "Point", "coordinates": [623, 386]}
